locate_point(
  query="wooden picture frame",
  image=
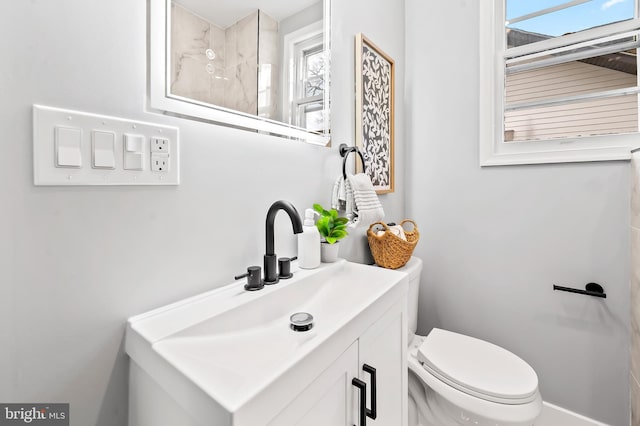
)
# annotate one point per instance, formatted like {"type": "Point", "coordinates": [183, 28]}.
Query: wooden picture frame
{"type": "Point", "coordinates": [375, 96]}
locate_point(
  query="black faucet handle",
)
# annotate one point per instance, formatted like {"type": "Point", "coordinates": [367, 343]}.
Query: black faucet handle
{"type": "Point", "coordinates": [254, 278]}
{"type": "Point", "coordinates": [284, 266]}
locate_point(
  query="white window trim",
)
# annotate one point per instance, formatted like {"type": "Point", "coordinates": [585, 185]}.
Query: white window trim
{"type": "Point", "coordinates": [493, 150]}
{"type": "Point", "coordinates": [288, 83]}
{"type": "Point", "coordinates": [299, 101]}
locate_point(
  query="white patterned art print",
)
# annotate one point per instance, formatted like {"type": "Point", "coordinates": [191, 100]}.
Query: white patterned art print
{"type": "Point", "coordinates": [374, 112]}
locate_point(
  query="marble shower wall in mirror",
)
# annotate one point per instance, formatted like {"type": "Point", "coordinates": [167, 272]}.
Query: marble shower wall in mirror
{"type": "Point", "coordinates": [220, 66]}
{"type": "Point", "coordinates": [239, 66]}
{"type": "Point", "coordinates": [268, 65]}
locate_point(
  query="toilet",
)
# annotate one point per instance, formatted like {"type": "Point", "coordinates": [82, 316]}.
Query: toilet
{"type": "Point", "coordinates": [460, 380]}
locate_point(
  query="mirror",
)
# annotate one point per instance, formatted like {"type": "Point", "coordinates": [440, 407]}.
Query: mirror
{"type": "Point", "coordinates": [261, 65]}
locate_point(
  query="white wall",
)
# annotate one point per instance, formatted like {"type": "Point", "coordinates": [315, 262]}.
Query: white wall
{"type": "Point", "coordinates": [383, 23]}
{"type": "Point", "coordinates": [76, 262]}
{"type": "Point", "coordinates": [495, 240]}
{"type": "Point", "coordinates": [634, 376]}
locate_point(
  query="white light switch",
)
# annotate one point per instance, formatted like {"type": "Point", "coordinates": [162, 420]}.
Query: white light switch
{"type": "Point", "coordinates": [133, 143]}
{"type": "Point", "coordinates": [134, 161]}
{"type": "Point", "coordinates": [68, 146]}
{"type": "Point", "coordinates": [104, 144]}
{"type": "Point", "coordinates": [133, 152]}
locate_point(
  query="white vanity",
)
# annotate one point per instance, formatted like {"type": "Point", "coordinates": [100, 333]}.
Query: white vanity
{"type": "Point", "coordinates": [230, 357]}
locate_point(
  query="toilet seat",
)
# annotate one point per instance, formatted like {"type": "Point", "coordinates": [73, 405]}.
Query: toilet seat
{"type": "Point", "coordinates": [478, 368]}
{"type": "Point", "coordinates": [499, 413]}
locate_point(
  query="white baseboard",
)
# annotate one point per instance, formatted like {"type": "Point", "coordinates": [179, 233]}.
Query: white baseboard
{"type": "Point", "coordinates": [552, 415]}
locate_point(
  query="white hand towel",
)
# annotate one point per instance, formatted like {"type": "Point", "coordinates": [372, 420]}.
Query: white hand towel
{"type": "Point", "coordinates": [368, 208]}
{"type": "Point", "coordinates": [342, 197]}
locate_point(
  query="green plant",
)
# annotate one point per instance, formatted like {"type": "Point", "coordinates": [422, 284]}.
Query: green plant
{"type": "Point", "coordinates": [330, 225]}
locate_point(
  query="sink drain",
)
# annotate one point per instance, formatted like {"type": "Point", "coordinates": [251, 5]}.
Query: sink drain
{"type": "Point", "coordinates": [301, 321]}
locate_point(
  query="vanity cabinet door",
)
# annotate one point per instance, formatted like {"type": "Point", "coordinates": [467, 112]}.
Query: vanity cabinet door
{"type": "Point", "coordinates": [329, 399]}
{"type": "Point", "coordinates": [383, 347]}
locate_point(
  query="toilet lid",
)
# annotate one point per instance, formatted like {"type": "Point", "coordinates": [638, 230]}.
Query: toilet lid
{"type": "Point", "coordinates": [478, 368]}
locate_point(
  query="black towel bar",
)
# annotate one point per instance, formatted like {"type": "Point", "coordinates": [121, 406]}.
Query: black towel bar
{"type": "Point", "coordinates": [591, 289]}
{"type": "Point", "coordinates": [344, 152]}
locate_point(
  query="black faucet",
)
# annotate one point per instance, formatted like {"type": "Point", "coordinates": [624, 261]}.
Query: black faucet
{"type": "Point", "coordinates": [270, 258]}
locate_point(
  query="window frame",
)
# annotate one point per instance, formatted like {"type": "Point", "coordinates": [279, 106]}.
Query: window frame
{"type": "Point", "coordinates": [494, 151]}
{"type": "Point", "coordinates": [299, 99]}
{"type": "Point", "coordinates": [292, 84]}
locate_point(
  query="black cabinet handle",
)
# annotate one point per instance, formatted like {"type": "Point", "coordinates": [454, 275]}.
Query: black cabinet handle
{"type": "Point", "coordinates": [373, 412]}
{"type": "Point", "coordinates": [362, 386]}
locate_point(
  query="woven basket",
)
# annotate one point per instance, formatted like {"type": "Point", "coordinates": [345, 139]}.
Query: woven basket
{"type": "Point", "coordinates": [389, 250]}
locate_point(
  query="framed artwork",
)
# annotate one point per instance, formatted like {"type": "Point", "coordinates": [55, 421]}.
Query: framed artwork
{"type": "Point", "coordinates": [375, 113]}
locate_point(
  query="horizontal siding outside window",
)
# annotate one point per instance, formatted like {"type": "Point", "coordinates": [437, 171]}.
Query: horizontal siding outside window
{"type": "Point", "coordinates": [577, 119]}
{"type": "Point", "coordinates": [557, 97]}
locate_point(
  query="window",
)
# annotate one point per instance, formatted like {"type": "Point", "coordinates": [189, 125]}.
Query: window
{"type": "Point", "coordinates": [558, 81]}
{"type": "Point", "coordinates": [304, 95]}
{"type": "Point", "coordinates": [308, 98]}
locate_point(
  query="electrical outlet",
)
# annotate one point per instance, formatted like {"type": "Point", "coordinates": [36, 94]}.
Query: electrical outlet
{"type": "Point", "coordinates": [159, 162]}
{"type": "Point", "coordinates": [159, 145]}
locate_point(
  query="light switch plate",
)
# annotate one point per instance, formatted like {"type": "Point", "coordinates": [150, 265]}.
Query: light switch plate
{"type": "Point", "coordinates": [97, 167]}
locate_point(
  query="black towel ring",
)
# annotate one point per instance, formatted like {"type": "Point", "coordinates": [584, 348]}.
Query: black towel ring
{"type": "Point", "coordinates": [344, 152]}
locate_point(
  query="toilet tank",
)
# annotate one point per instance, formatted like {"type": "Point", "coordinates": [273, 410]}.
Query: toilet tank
{"type": "Point", "coordinates": [413, 268]}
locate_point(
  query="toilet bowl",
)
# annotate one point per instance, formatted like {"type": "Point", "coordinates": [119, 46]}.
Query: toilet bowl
{"type": "Point", "coordinates": [460, 380]}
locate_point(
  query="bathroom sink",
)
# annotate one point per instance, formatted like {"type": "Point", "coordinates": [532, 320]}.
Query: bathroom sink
{"type": "Point", "coordinates": [233, 351]}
